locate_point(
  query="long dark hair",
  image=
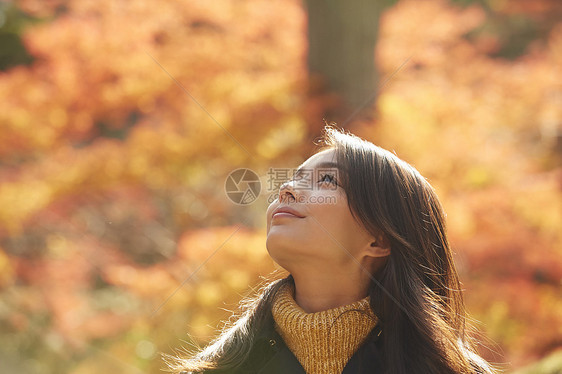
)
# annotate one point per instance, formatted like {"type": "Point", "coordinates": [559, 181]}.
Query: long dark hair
{"type": "Point", "coordinates": [416, 295]}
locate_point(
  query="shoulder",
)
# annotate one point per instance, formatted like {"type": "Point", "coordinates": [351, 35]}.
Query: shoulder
{"type": "Point", "coordinates": [268, 355]}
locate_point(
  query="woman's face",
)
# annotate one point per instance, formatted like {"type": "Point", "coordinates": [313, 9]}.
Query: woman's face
{"type": "Point", "coordinates": [326, 234]}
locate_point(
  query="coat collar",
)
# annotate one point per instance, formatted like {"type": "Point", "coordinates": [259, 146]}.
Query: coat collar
{"type": "Point", "coordinates": [270, 355]}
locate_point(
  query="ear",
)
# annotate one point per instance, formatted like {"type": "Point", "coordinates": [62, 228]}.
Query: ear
{"type": "Point", "coordinates": [379, 246]}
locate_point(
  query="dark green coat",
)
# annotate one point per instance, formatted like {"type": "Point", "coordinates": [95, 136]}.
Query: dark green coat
{"type": "Point", "coordinates": [270, 355]}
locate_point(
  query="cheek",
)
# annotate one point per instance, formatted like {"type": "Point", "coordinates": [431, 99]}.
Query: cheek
{"type": "Point", "coordinates": [332, 219]}
{"type": "Point", "coordinates": [268, 217]}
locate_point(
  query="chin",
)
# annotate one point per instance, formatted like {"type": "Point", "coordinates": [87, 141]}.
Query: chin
{"type": "Point", "coordinates": [278, 247]}
{"type": "Point", "coordinates": [271, 244]}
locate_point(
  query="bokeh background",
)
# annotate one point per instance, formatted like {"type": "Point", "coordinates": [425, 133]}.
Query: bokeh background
{"type": "Point", "coordinates": [121, 120]}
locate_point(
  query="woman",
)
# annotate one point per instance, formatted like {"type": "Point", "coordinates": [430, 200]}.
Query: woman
{"type": "Point", "coordinates": [372, 285]}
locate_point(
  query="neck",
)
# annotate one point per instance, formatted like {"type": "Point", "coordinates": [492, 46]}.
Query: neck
{"type": "Point", "coordinates": [316, 293]}
{"type": "Point", "coordinates": [322, 342]}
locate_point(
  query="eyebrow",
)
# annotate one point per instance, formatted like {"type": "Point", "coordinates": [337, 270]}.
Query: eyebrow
{"type": "Point", "coordinates": [325, 164]}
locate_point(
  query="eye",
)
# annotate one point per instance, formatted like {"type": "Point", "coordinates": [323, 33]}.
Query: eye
{"type": "Point", "coordinates": [330, 178]}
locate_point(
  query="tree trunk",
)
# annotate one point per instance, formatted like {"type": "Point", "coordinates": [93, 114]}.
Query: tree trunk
{"type": "Point", "coordinates": [341, 57]}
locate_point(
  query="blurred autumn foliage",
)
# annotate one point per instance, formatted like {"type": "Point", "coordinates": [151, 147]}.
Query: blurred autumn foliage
{"type": "Point", "coordinates": [120, 121]}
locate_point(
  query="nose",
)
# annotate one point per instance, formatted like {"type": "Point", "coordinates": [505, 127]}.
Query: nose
{"type": "Point", "coordinates": [287, 191]}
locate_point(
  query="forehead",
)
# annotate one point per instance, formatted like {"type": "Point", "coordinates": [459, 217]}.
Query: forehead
{"type": "Point", "coordinates": [328, 155]}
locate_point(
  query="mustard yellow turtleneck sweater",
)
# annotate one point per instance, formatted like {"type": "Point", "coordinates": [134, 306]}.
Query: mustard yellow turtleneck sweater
{"type": "Point", "coordinates": [323, 342]}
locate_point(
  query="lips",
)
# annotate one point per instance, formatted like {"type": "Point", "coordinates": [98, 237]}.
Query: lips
{"type": "Point", "coordinates": [286, 211]}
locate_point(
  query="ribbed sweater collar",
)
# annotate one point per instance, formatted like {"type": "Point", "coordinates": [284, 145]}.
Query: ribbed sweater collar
{"type": "Point", "coordinates": [324, 341]}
